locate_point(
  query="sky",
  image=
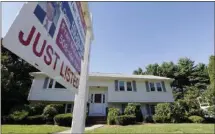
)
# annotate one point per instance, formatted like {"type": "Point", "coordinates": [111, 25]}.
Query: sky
{"type": "Point", "coordinates": [128, 35]}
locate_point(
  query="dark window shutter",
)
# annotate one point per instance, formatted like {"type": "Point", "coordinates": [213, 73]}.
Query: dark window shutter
{"type": "Point", "coordinates": [134, 86]}
{"type": "Point", "coordinates": [45, 82]}
{"type": "Point", "coordinates": [116, 85]}
{"type": "Point", "coordinates": [163, 86]}
{"type": "Point", "coordinates": [147, 86]}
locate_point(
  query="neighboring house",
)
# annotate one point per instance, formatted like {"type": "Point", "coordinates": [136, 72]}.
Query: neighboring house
{"type": "Point", "coordinates": [106, 90]}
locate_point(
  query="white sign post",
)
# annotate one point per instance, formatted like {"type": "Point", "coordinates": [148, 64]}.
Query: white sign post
{"type": "Point", "coordinates": [55, 38]}
{"type": "Point", "coordinates": [79, 112]}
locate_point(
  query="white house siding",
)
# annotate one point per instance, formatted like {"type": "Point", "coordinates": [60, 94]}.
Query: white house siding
{"type": "Point", "coordinates": [141, 95]}
{"type": "Point", "coordinates": [103, 85]}
{"type": "Point", "coordinates": [37, 93]}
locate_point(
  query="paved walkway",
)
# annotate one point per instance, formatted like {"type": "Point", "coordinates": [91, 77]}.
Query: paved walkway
{"type": "Point", "coordinates": [86, 128]}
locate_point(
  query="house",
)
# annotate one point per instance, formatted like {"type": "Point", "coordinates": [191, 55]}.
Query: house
{"type": "Point", "coordinates": [106, 90]}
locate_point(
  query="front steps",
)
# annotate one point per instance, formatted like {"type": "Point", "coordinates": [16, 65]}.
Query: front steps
{"type": "Point", "coordinates": [96, 120]}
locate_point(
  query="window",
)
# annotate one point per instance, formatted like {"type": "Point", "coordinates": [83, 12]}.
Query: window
{"type": "Point", "coordinates": [152, 86]}
{"type": "Point", "coordinates": [53, 84]}
{"type": "Point", "coordinates": [159, 88]}
{"type": "Point", "coordinates": [129, 86]}
{"type": "Point", "coordinates": [103, 98]}
{"type": "Point", "coordinates": [58, 85]}
{"type": "Point", "coordinates": [68, 108]}
{"type": "Point", "coordinates": [98, 98]}
{"type": "Point", "coordinates": [91, 100]}
{"type": "Point", "coordinates": [121, 86]}
{"type": "Point", "coordinates": [50, 83]}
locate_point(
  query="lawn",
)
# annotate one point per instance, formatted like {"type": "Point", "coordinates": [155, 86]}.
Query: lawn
{"type": "Point", "coordinates": [32, 129]}
{"type": "Point", "coordinates": [145, 128]}
{"type": "Point", "coordinates": [157, 128]}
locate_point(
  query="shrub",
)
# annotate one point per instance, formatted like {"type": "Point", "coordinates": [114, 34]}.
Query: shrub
{"type": "Point", "coordinates": [178, 112]}
{"type": "Point", "coordinates": [18, 117]}
{"type": "Point", "coordinates": [209, 120]}
{"type": "Point", "coordinates": [37, 108]}
{"type": "Point", "coordinates": [149, 119]}
{"type": "Point", "coordinates": [196, 119]}
{"type": "Point", "coordinates": [6, 120]}
{"type": "Point", "coordinates": [162, 113]}
{"type": "Point", "coordinates": [112, 114]}
{"type": "Point", "coordinates": [49, 113]}
{"type": "Point", "coordinates": [20, 108]}
{"type": "Point", "coordinates": [134, 109]}
{"type": "Point", "coordinates": [211, 111]}
{"type": "Point", "coordinates": [37, 119]}
{"type": "Point", "coordinates": [63, 119]}
{"type": "Point", "coordinates": [125, 120]}
{"type": "Point", "coordinates": [58, 107]}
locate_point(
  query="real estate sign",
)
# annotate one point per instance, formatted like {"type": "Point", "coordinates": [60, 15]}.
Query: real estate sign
{"type": "Point", "coordinates": [51, 37]}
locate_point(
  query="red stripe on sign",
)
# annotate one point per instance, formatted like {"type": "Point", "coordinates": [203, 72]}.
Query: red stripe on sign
{"type": "Point", "coordinates": [67, 46]}
{"type": "Point", "coordinates": [78, 3]}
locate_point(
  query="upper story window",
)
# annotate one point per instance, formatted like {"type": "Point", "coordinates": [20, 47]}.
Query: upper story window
{"type": "Point", "coordinates": [125, 85]}
{"type": "Point", "coordinates": [58, 85]}
{"type": "Point", "coordinates": [50, 83]}
{"type": "Point", "coordinates": [129, 86]}
{"type": "Point", "coordinates": [159, 87]}
{"type": "Point", "coordinates": [155, 86]}
{"type": "Point", "coordinates": [152, 86]}
{"type": "Point", "coordinates": [121, 86]}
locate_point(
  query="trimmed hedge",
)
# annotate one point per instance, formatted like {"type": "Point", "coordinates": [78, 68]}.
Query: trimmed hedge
{"type": "Point", "coordinates": [125, 120]}
{"type": "Point", "coordinates": [63, 119]}
{"type": "Point", "coordinates": [36, 109]}
{"type": "Point", "coordinates": [134, 109]}
{"type": "Point", "coordinates": [58, 107]}
{"type": "Point", "coordinates": [49, 112]}
{"type": "Point", "coordinates": [112, 114]}
{"type": "Point", "coordinates": [17, 117]}
{"type": "Point", "coordinates": [37, 119]}
{"type": "Point", "coordinates": [196, 119]}
{"type": "Point", "coordinates": [162, 113]}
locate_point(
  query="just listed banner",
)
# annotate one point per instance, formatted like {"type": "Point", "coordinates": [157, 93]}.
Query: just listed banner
{"type": "Point", "coordinates": [51, 37]}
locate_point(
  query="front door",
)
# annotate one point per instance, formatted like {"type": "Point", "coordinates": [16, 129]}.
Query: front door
{"type": "Point", "coordinates": [97, 104]}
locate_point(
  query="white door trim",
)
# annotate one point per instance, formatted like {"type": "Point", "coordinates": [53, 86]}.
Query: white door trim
{"type": "Point", "coordinates": [97, 109]}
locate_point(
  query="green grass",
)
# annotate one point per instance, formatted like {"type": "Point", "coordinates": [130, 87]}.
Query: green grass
{"type": "Point", "coordinates": [32, 129]}
{"type": "Point", "coordinates": [156, 128]}
{"type": "Point", "coordinates": [145, 128]}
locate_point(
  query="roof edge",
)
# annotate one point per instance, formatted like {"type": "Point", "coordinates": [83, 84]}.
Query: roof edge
{"type": "Point", "coordinates": [109, 75]}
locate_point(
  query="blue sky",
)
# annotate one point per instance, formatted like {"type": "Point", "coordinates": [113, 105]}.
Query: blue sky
{"type": "Point", "coordinates": [129, 35]}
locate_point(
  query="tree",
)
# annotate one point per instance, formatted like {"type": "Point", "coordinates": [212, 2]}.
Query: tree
{"type": "Point", "coordinates": [209, 94]}
{"type": "Point", "coordinates": [168, 69]}
{"type": "Point", "coordinates": [16, 80]}
{"type": "Point", "coordinates": [153, 69]}
{"type": "Point", "coordinates": [200, 77]}
{"type": "Point", "coordinates": [190, 97]}
{"type": "Point", "coordinates": [211, 69]}
{"type": "Point", "coordinates": [139, 71]}
{"type": "Point", "coordinates": [162, 113]}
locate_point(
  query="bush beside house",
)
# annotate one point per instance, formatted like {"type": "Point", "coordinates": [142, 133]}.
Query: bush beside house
{"type": "Point", "coordinates": [162, 113]}
{"type": "Point", "coordinates": [112, 114]}
{"type": "Point", "coordinates": [125, 120]}
{"type": "Point", "coordinates": [196, 119]}
{"type": "Point", "coordinates": [63, 119]}
{"type": "Point", "coordinates": [134, 109]}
